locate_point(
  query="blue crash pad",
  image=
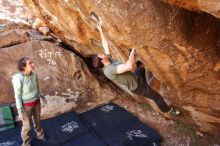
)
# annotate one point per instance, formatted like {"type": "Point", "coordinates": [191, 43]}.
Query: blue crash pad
{"type": "Point", "coordinates": [49, 132]}
{"type": "Point", "coordinates": [86, 140]}
{"type": "Point", "coordinates": [69, 126]}
{"type": "Point", "coordinates": [117, 127]}
{"type": "Point", "coordinates": [104, 112]}
{"type": "Point", "coordinates": [107, 119]}
{"type": "Point", "coordinates": [136, 135]}
{"type": "Point", "coordinates": [11, 137]}
{"type": "Point", "coordinates": [107, 125]}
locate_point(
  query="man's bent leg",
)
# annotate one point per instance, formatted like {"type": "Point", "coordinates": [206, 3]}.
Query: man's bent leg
{"type": "Point", "coordinates": [158, 99]}
{"type": "Point", "coordinates": [146, 91]}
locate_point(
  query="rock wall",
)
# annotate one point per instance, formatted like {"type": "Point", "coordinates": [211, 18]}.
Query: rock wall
{"type": "Point", "coordinates": [209, 6]}
{"type": "Point", "coordinates": [181, 48]}
{"type": "Point", "coordinates": [64, 78]}
{"type": "Point", "coordinates": [14, 10]}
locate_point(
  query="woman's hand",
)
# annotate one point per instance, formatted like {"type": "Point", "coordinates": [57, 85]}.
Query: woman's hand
{"type": "Point", "coordinates": [21, 116]}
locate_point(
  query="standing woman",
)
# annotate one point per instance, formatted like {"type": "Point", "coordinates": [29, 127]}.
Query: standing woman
{"type": "Point", "coordinates": [27, 97]}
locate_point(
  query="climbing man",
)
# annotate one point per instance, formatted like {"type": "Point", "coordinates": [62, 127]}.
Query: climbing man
{"type": "Point", "coordinates": [121, 74]}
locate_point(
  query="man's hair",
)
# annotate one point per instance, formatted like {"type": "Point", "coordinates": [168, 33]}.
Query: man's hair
{"type": "Point", "coordinates": [22, 63]}
{"type": "Point", "coordinates": [97, 61]}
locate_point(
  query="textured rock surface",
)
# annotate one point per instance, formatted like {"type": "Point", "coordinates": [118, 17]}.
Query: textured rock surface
{"type": "Point", "coordinates": [181, 48]}
{"type": "Point", "coordinates": [14, 10]}
{"type": "Point", "coordinates": [64, 77]}
{"type": "Point", "coordinates": [209, 6]}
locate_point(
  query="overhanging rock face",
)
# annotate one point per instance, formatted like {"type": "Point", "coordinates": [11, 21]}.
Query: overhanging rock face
{"type": "Point", "coordinates": [210, 6]}
{"type": "Point", "coordinates": [181, 48]}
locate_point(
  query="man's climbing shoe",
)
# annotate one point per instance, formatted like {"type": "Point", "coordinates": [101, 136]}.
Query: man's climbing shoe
{"type": "Point", "coordinates": [174, 112]}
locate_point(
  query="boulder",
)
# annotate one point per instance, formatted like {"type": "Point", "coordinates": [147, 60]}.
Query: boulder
{"type": "Point", "coordinates": [14, 10]}
{"type": "Point", "coordinates": [180, 47]}
{"type": "Point", "coordinates": [209, 6]}
{"type": "Point", "coordinates": [64, 78]}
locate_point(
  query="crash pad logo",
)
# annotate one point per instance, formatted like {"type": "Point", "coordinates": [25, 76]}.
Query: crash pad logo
{"type": "Point", "coordinates": [8, 143]}
{"type": "Point", "coordinates": [70, 127]}
{"type": "Point", "coordinates": [136, 133]}
{"type": "Point", "coordinates": [107, 108]}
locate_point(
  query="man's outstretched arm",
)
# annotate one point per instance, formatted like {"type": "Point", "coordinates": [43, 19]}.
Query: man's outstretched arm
{"type": "Point", "coordinates": [122, 68]}
{"type": "Point", "coordinates": [104, 39]}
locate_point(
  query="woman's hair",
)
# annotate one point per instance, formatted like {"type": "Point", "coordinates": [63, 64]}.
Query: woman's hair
{"type": "Point", "coordinates": [22, 63]}
{"type": "Point", "coordinates": [97, 61]}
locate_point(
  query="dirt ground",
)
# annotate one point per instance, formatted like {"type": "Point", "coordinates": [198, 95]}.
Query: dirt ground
{"type": "Point", "coordinates": [173, 133]}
